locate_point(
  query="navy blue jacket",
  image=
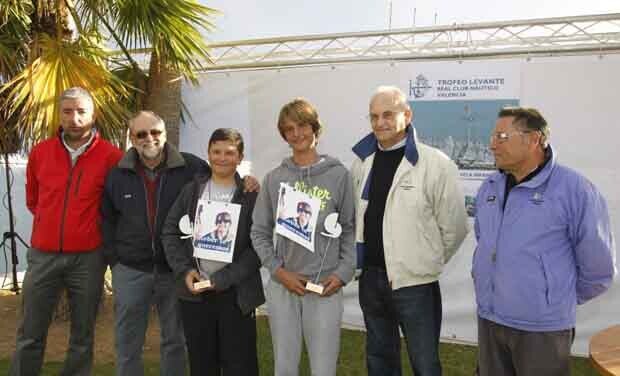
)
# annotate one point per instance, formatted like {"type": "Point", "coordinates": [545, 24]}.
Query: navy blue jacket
{"type": "Point", "coordinates": [126, 232]}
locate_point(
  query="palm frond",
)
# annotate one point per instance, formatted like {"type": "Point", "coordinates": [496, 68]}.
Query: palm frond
{"type": "Point", "coordinates": [33, 93]}
{"type": "Point", "coordinates": [90, 11]}
{"type": "Point", "coordinates": [14, 37]}
{"type": "Point", "coordinates": [15, 10]}
{"type": "Point", "coordinates": [171, 27]}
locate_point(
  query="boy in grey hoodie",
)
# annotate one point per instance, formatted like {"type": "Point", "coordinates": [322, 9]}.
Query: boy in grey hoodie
{"type": "Point", "coordinates": [294, 311]}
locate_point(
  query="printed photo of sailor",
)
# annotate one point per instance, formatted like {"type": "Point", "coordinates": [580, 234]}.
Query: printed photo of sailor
{"type": "Point", "coordinates": [219, 239]}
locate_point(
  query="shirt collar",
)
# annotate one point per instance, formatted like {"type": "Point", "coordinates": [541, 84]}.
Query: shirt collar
{"type": "Point", "coordinates": [397, 145]}
{"type": "Point", "coordinates": [80, 149]}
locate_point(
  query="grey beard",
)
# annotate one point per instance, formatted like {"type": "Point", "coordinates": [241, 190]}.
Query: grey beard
{"type": "Point", "coordinates": [151, 154]}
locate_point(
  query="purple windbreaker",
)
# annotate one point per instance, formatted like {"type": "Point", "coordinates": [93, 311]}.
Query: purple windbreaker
{"type": "Point", "coordinates": [550, 249]}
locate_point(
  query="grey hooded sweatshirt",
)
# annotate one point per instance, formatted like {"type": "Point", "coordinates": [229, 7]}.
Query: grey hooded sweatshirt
{"type": "Point", "coordinates": [327, 180]}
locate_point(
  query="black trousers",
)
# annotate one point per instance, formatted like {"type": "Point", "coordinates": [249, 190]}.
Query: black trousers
{"type": "Point", "coordinates": [221, 340]}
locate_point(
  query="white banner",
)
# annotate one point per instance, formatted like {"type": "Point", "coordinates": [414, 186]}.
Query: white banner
{"type": "Point", "coordinates": [455, 111]}
{"type": "Point", "coordinates": [577, 94]}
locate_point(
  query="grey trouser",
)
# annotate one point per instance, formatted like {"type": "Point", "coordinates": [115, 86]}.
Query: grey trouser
{"type": "Point", "coordinates": [511, 352]}
{"type": "Point", "coordinates": [134, 294]}
{"type": "Point", "coordinates": [315, 318]}
{"type": "Point", "coordinates": [47, 274]}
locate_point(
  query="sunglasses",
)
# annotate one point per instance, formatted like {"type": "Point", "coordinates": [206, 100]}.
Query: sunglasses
{"type": "Point", "coordinates": [223, 221]}
{"type": "Point", "coordinates": [304, 211]}
{"type": "Point", "coordinates": [142, 134]}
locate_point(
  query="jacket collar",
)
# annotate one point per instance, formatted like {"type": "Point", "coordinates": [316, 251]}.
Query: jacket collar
{"type": "Point", "coordinates": [201, 181]}
{"type": "Point", "coordinates": [173, 158]}
{"type": "Point", "coordinates": [91, 143]}
{"type": "Point", "coordinates": [537, 180]}
{"type": "Point", "coordinates": [368, 146]}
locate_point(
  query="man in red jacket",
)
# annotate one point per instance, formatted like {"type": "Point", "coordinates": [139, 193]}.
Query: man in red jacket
{"type": "Point", "coordinates": [64, 186]}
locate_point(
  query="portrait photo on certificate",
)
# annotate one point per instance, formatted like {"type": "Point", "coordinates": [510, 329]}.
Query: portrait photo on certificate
{"type": "Point", "coordinates": [215, 229]}
{"type": "Point", "coordinates": [297, 216]}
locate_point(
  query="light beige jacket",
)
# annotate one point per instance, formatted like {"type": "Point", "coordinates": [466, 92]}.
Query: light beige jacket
{"type": "Point", "coordinates": [425, 220]}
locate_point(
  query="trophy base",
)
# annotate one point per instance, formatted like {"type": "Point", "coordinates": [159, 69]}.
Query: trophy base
{"type": "Point", "coordinates": [314, 288]}
{"type": "Point", "coordinates": [202, 284]}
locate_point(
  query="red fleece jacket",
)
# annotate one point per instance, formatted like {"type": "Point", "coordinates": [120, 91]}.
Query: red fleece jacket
{"type": "Point", "coordinates": [65, 200]}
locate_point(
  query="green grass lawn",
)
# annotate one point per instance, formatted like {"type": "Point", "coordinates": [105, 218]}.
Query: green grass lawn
{"type": "Point", "coordinates": [456, 360]}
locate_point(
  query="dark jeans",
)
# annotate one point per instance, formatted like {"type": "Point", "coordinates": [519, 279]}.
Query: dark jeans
{"type": "Point", "coordinates": [47, 275]}
{"type": "Point", "coordinates": [416, 310]}
{"type": "Point", "coordinates": [221, 340]}
{"type": "Point", "coordinates": [512, 352]}
{"type": "Point", "coordinates": [135, 292]}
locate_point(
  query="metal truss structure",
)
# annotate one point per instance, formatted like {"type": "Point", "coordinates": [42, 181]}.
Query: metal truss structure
{"type": "Point", "coordinates": [594, 34]}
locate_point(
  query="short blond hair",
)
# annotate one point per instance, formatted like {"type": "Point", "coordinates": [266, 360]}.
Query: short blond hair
{"type": "Point", "coordinates": [300, 111]}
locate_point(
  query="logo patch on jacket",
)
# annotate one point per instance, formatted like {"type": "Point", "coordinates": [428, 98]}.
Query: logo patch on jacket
{"type": "Point", "coordinates": [491, 198]}
{"type": "Point", "coordinates": [537, 198]}
{"type": "Point", "coordinates": [127, 195]}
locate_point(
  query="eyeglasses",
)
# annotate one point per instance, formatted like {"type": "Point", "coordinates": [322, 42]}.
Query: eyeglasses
{"type": "Point", "coordinates": [387, 115]}
{"type": "Point", "coordinates": [501, 137]}
{"type": "Point", "coordinates": [142, 134]}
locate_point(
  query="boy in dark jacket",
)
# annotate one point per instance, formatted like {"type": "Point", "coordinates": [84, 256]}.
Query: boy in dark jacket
{"type": "Point", "coordinates": [219, 320]}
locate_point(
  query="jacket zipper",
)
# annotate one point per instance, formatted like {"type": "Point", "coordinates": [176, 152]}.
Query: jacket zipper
{"type": "Point", "coordinates": [153, 226]}
{"type": "Point", "coordinates": [65, 203]}
{"type": "Point", "coordinates": [64, 207]}
{"type": "Point", "coordinates": [148, 211]}
{"type": "Point", "coordinates": [395, 182]}
{"type": "Point", "coordinates": [495, 250]}
{"type": "Point", "coordinates": [159, 188]}
{"type": "Point", "coordinates": [192, 213]}
{"type": "Point", "coordinates": [77, 184]}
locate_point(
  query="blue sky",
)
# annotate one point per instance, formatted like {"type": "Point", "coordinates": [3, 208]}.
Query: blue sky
{"type": "Point", "coordinates": [248, 19]}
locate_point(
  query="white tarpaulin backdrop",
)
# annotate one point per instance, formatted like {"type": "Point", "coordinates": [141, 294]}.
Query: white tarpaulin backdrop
{"type": "Point", "coordinates": [577, 95]}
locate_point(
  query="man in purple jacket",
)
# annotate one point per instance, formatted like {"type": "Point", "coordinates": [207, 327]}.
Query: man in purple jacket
{"type": "Point", "coordinates": [544, 246]}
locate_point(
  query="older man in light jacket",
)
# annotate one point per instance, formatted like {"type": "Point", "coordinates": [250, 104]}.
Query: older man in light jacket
{"type": "Point", "coordinates": [411, 219]}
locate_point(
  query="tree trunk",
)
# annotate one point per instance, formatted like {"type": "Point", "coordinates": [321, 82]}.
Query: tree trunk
{"type": "Point", "coordinates": [53, 18]}
{"type": "Point", "coordinates": [163, 96]}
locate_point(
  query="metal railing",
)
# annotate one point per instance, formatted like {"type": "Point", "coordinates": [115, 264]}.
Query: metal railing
{"type": "Point", "coordinates": [598, 34]}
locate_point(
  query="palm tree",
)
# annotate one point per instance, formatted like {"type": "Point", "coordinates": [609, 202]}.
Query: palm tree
{"type": "Point", "coordinates": [14, 26]}
{"type": "Point", "coordinates": [64, 43]}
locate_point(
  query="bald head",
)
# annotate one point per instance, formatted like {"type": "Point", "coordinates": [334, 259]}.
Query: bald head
{"type": "Point", "coordinates": [389, 115]}
{"type": "Point", "coordinates": [391, 95]}
{"type": "Point", "coordinates": [146, 117]}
